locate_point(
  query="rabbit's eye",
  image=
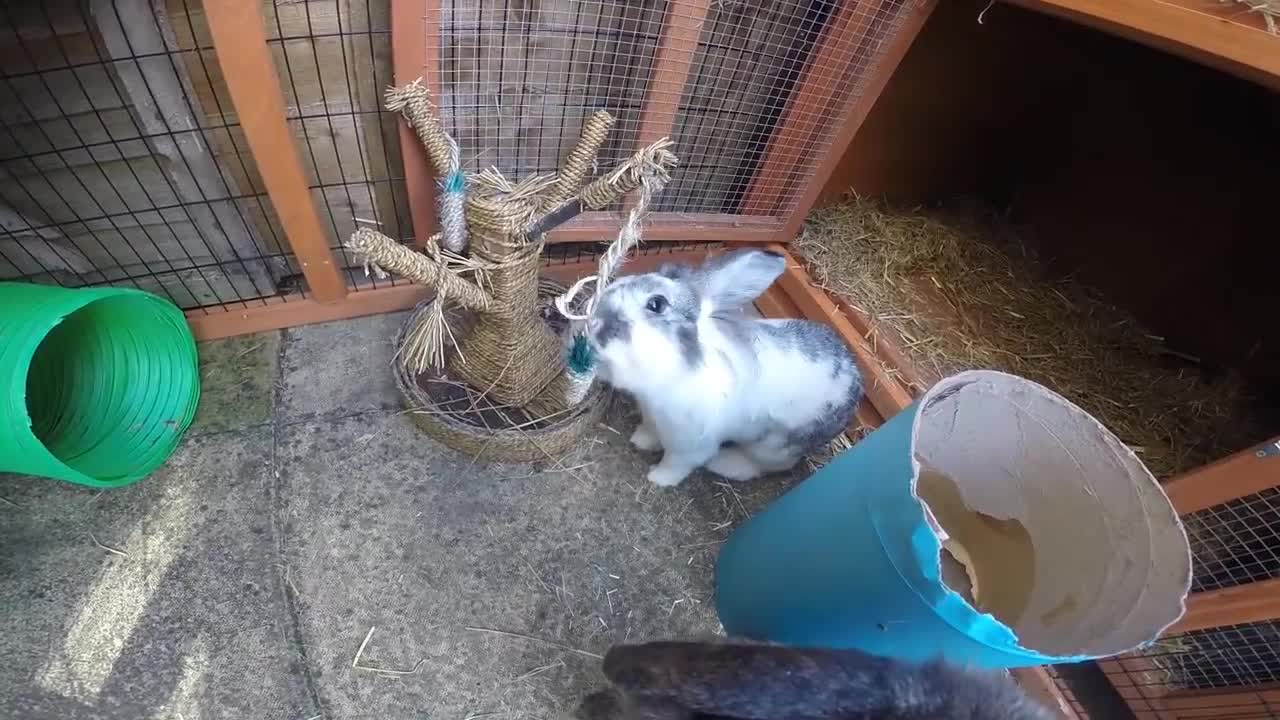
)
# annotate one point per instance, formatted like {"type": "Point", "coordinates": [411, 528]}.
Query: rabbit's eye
{"type": "Point", "coordinates": [656, 305]}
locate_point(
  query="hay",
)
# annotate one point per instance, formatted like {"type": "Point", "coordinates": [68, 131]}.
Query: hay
{"type": "Point", "coordinates": [963, 294]}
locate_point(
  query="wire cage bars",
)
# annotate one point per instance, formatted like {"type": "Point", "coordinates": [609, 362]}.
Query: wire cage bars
{"type": "Point", "coordinates": [1222, 659]}
{"type": "Point", "coordinates": [125, 160]}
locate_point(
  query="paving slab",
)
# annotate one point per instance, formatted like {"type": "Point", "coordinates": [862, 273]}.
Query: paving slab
{"type": "Point", "coordinates": [159, 600]}
{"type": "Point", "coordinates": [493, 586]}
{"type": "Point", "coordinates": [339, 368]}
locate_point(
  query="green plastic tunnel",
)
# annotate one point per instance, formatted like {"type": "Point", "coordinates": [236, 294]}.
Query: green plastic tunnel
{"type": "Point", "coordinates": [97, 385]}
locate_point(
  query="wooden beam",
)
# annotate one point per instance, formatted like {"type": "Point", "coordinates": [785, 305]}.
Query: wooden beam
{"type": "Point", "coordinates": [1251, 602]}
{"type": "Point", "coordinates": [829, 154]}
{"type": "Point", "coordinates": [240, 43]}
{"type": "Point", "coordinates": [1222, 35]}
{"type": "Point", "coordinates": [415, 53]}
{"type": "Point", "coordinates": [1236, 476]}
{"type": "Point", "coordinates": [671, 64]}
{"type": "Point", "coordinates": [670, 227]}
{"type": "Point", "coordinates": [833, 56]}
{"type": "Point", "coordinates": [282, 312]}
{"type": "Point", "coordinates": [885, 393]}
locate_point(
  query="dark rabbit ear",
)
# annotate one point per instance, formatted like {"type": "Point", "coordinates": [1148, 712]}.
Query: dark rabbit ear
{"type": "Point", "coordinates": [762, 682]}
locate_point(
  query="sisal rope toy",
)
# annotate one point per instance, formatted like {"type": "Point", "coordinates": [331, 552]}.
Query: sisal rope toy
{"type": "Point", "coordinates": [580, 363]}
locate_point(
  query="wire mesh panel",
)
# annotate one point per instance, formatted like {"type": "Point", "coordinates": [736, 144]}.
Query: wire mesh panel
{"type": "Point", "coordinates": [333, 62]}
{"type": "Point", "coordinates": [1227, 672]}
{"type": "Point", "coordinates": [114, 168]}
{"type": "Point", "coordinates": [518, 79]}
{"type": "Point", "coordinates": [1236, 542]}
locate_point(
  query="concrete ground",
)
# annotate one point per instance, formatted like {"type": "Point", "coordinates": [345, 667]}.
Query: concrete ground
{"type": "Point", "coordinates": [305, 520]}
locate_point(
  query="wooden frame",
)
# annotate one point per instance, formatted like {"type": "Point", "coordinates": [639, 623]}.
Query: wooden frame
{"type": "Point", "coordinates": [1222, 35]}
{"type": "Point", "coordinates": [1242, 474]}
{"type": "Point", "coordinates": [671, 63]}
{"type": "Point", "coordinates": [828, 63]}
{"type": "Point", "coordinates": [240, 42]}
{"type": "Point", "coordinates": [415, 53]}
{"type": "Point", "coordinates": [856, 113]}
{"type": "Point", "coordinates": [276, 313]}
{"type": "Point", "coordinates": [670, 227]}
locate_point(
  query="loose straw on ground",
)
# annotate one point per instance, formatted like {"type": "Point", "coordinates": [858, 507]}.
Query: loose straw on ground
{"type": "Point", "coordinates": [355, 661]}
{"type": "Point", "coordinates": [531, 638]}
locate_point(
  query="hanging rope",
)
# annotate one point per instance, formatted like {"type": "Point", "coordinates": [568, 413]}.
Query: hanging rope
{"type": "Point", "coordinates": [580, 362]}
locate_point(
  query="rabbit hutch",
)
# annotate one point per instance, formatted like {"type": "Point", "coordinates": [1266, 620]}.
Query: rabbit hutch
{"type": "Point", "coordinates": [1063, 189]}
{"type": "Point", "coordinates": [223, 153]}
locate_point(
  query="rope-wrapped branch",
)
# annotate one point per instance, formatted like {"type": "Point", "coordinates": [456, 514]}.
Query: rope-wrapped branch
{"type": "Point", "coordinates": [578, 164]}
{"type": "Point", "coordinates": [413, 102]}
{"type": "Point", "coordinates": [654, 163]}
{"type": "Point", "coordinates": [430, 270]}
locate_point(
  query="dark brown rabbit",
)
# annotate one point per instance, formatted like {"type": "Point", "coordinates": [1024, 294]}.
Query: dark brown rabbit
{"type": "Point", "coordinates": [706, 681]}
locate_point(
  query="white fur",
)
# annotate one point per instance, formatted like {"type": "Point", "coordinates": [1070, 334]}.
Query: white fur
{"type": "Point", "coordinates": [754, 400]}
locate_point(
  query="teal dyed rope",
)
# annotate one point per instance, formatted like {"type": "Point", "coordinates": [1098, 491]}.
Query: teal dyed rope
{"type": "Point", "coordinates": [582, 359]}
{"type": "Point", "coordinates": [456, 182]}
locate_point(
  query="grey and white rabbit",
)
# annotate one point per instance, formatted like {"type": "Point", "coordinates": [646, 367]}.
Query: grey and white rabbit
{"type": "Point", "coordinates": [716, 388]}
{"type": "Point", "coordinates": [708, 680]}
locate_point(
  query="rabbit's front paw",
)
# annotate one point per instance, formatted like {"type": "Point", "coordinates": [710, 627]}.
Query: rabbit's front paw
{"type": "Point", "coordinates": [664, 475]}
{"type": "Point", "coordinates": [646, 439]}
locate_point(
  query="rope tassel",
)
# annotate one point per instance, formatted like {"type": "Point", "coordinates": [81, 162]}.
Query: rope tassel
{"type": "Point", "coordinates": [648, 173]}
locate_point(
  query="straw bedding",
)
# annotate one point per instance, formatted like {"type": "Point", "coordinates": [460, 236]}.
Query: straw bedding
{"type": "Point", "coordinates": [957, 292]}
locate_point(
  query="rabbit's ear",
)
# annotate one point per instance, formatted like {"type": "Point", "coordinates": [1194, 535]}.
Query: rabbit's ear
{"type": "Point", "coordinates": [734, 279]}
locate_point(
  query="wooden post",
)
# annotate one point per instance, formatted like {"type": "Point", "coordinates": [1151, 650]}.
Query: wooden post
{"type": "Point", "coordinates": [1236, 605]}
{"type": "Point", "coordinates": [415, 53]}
{"type": "Point", "coordinates": [671, 63]}
{"type": "Point", "coordinates": [827, 156]}
{"type": "Point", "coordinates": [833, 55]}
{"type": "Point", "coordinates": [240, 43]}
{"type": "Point", "coordinates": [1239, 475]}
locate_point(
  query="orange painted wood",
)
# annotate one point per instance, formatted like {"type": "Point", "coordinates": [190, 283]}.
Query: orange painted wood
{"type": "Point", "coordinates": [882, 389]}
{"type": "Point", "coordinates": [833, 56]}
{"type": "Point", "coordinates": [671, 63]}
{"type": "Point", "coordinates": [1222, 35]}
{"type": "Point", "coordinates": [279, 313]}
{"type": "Point", "coordinates": [670, 227]}
{"type": "Point", "coordinates": [1253, 602]}
{"type": "Point", "coordinates": [276, 313]}
{"type": "Point", "coordinates": [774, 303]}
{"type": "Point", "coordinates": [240, 42]}
{"type": "Point", "coordinates": [1239, 475]}
{"type": "Point", "coordinates": [415, 53]}
{"type": "Point", "coordinates": [884, 346]}
{"type": "Point", "coordinates": [829, 158]}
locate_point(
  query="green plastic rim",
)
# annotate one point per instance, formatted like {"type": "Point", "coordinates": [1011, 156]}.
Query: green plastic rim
{"type": "Point", "coordinates": [98, 384]}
